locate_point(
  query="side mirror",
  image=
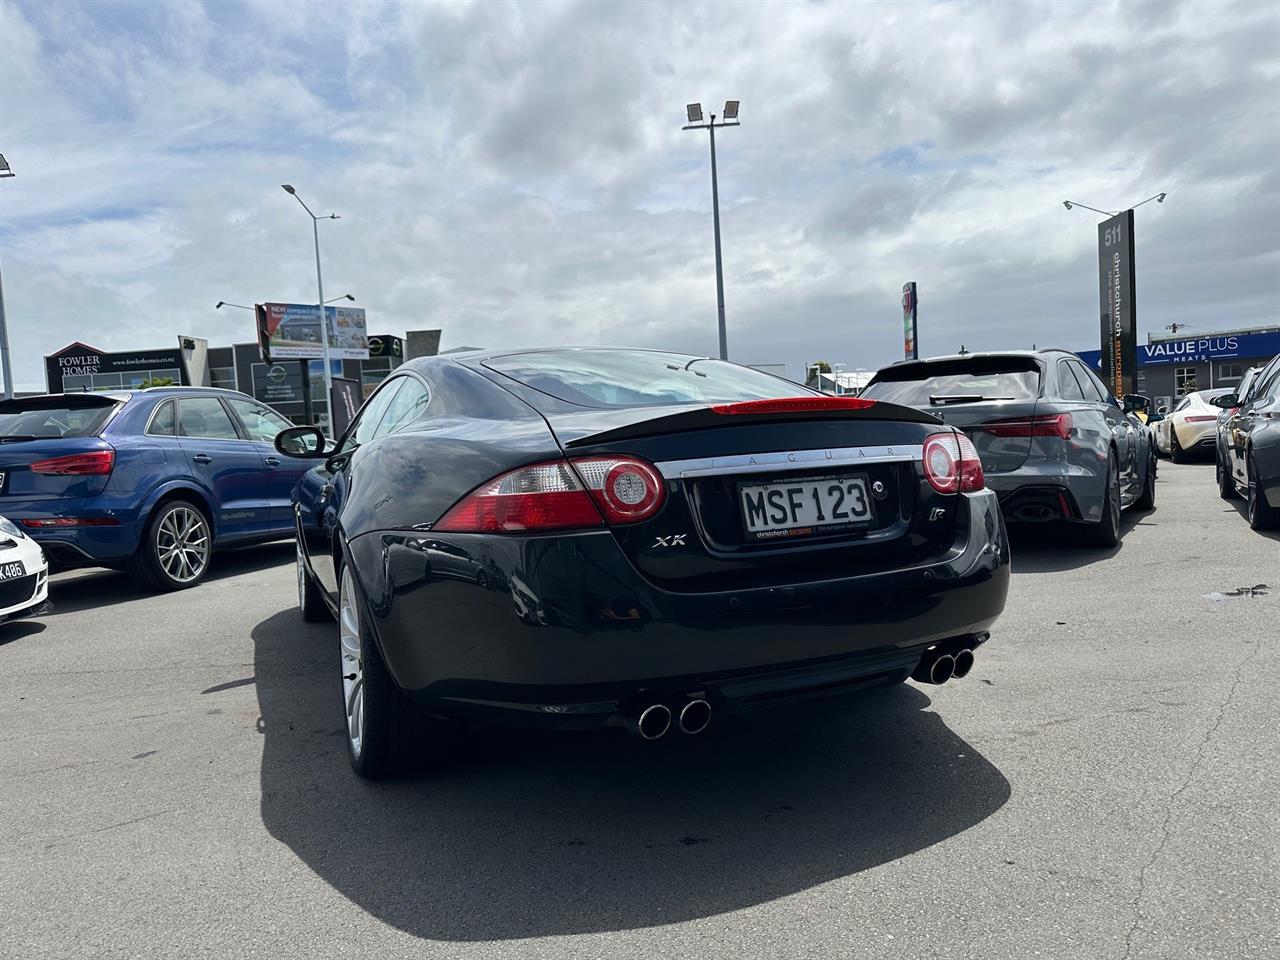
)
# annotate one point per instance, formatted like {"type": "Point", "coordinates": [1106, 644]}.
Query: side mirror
{"type": "Point", "coordinates": [303, 443]}
{"type": "Point", "coordinates": [1134, 402]}
{"type": "Point", "coordinates": [1226, 401]}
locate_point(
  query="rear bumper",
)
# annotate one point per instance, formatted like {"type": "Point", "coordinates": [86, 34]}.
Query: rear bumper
{"type": "Point", "coordinates": [81, 545]}
{"type": "Point", "coordinates": [563, 631]}
{"type": "Point", "coordinates": [1197, 436]}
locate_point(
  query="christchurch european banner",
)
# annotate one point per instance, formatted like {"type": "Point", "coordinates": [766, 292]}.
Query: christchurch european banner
{"type": "Point", "coordinates": [1119, 321]}
{"type": "Point", "coordinates": [910, 348]}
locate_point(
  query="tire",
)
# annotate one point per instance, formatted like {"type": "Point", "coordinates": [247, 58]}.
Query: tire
{"type": "Point", "coordinates": [387, 734]}
{"type": "Point", "coordinates": [1262, 516]}
{"type": "Point", "coordinates": [176, 548]}
{"type": "Point", "coordinates": [311, 602]}
{"type": "Point", "coordinates": [1176, 453]}
{"type": "Point", "coordinates": [1106, 532]}
{"type": "Point", "coordinates": [1147, 499]}
{"type": "Point", "coordinates": [1226, 485]}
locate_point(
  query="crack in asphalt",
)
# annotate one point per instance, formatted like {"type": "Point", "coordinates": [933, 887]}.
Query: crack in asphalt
{"type": "Point", "coordinates": [1173, 797]}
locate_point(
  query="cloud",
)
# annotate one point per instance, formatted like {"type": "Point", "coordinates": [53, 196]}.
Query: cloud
{"type": "Point", "coordinates": [516, 173]}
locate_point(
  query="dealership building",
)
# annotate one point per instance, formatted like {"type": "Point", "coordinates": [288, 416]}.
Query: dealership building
{"type": "Point", "coordinates": [1173, 365]}
{"type": "Point", "coordinates": [293, 387]}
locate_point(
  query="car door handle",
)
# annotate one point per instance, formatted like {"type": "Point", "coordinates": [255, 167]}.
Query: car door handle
{"type": "Point", "coordinates": [325, 492]}
{"type": "Point", "coordinates": [202, 458]}
{"type": "Point", "coordinates": [273, 461]}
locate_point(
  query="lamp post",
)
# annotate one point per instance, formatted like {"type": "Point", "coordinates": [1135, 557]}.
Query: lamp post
{"type": "Point", "coordinates": [5, 368]}
{"type": "Point", "coordinates": [728, 119]}
{"type": "Point", "coordinates": [324, 326]}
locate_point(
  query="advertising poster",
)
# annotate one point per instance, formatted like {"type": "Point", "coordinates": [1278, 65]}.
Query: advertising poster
{"type": "Point", "coordinates": [291, 331]}
{"type": "Point", "coordinates": [910, 347]}
{"type": "Point", "coordinates": [1119, 317]}
{"type": "Point", "coordinates": [346, 401]}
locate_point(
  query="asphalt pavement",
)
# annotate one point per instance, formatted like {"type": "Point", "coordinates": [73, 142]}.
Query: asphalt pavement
{"type": "Point", "coordinates": [1104, 784]}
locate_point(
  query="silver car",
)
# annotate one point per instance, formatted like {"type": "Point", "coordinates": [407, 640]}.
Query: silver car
{"type": "Point", "coordinates": [1054, 443]}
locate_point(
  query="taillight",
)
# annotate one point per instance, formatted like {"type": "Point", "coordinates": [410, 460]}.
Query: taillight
{"type": "Point", "coordinates": [793, 405]}
{"type": "Point", "coordinates": [544, 496]}
{"type": "Point", "coordinates": [627, 490]}
{"type": "Point", "coordinates": [1047, 425]}
{"type": "Point", "coordinates": [94, 463]}
{"type": "Point", "coordinates": [1198, 419]}
{"type": "Point", "coordinates": [38, 523]}
{"type": "Point", "coordinates": [951, 464]}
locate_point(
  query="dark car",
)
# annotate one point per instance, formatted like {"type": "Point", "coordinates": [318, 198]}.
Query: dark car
{"type": "Point", "coordinates": [1252, 441]}
{"type": "Point", "coordinates": [151, 481]}
{"type": "Point", "coordinates": [580, 538]}
{"type": "Point", "coordinates": [1226, 487]}
{"type": "Point", "coordinates": [1055, 445]}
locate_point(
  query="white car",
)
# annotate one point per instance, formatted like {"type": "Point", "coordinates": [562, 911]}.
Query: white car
{"type": "Point", "coordinates": [24, 574]}
{"type": "Point", "coordinates": [1191, 426]}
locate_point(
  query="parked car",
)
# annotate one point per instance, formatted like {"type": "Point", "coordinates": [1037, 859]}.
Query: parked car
{"type": "Point", "coordinates": [1190, 427]}
{"type": "Point", "coordinates": [151, 481]}
{"type": "Point", "coordinates": [1252, 463]}
{"type": "Point", "coordinates": [1220, 432]}
{"type": "Point", "coordinates": [24, 574]}
{"type": "Point", "coordinates": [581, 538]}
{"type": "Point", "coordinates": [1055, 444]}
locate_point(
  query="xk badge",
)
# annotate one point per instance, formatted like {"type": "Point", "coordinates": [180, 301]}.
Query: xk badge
{"type": "Point", "coordinates": [675, 540]}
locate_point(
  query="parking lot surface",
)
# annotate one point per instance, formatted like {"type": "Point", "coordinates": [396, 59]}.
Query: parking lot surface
{"type": "Point", "coordinates": [1104, 784]}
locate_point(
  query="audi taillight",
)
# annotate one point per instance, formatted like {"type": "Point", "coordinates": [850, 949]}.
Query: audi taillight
{"type": "Point", "coordinates": [626, 489]}
{"type": "Point", "coordinates": [94, 463]}
{"type": "Point", "coordinates": [951, 464]}
{"type": "Point", "coordinates": [792, 405]}
{"type": "Point", "coordinates": [544, 496]}
{"type": "Point", "coordinates": [1046, 425]}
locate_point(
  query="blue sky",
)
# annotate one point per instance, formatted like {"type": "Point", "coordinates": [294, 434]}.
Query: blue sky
{"type": "Point", "coordinates": [516, 173]}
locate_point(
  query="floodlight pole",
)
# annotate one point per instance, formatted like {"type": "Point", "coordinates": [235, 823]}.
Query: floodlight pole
{"type": "Point", "coordinates": [324, 326]}
{"type": "Point", "coordinates": [710, 127]}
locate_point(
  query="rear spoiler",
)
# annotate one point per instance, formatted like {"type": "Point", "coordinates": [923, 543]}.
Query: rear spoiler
{"type": "Point", "coordinates": [788, 409]}
{"type": "Point", "coordinates": [55, 401]}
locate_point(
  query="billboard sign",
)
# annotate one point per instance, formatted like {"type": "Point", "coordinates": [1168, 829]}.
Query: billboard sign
{"type": "Point", "coordinates": [1118, 293]}
{"type": "Point", "coordinates": [1198, 350]}
{"type": "Point", "coordinates": [910, 348]}
{"type": "Point", "coordinates": [291, 331]}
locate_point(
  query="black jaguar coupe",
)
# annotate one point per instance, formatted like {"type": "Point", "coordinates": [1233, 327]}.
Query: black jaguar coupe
{"type": "Point", "coordinates": [577, 538]}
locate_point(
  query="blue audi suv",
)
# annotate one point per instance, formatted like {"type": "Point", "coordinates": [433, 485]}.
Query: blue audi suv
{"type": "Point", "coordinates": [151, 481]}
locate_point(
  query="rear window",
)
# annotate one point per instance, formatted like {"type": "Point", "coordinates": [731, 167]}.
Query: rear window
{"type": "Point", "coordinates": [940, 383]}
{"type": "Point", "coordinates": [627, 378]}
{"type": "Point", "coordinates": [41, 418]}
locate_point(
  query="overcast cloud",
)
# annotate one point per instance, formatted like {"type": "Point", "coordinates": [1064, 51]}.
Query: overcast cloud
{"type": "Point", "coordinates": [516, 174]}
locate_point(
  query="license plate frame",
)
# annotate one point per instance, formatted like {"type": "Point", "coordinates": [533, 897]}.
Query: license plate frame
{"type": "Point", "coordinates": [8, 568]}
{"type": "Point", "coordinates": [827, 527]}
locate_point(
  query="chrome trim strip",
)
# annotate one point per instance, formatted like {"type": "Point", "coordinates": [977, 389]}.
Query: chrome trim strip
{"type": "Point", "coordinates": [782, 460]}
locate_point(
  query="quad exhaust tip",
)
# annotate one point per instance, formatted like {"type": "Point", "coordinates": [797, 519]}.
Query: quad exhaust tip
{"type": "Point", "coordinates": [695, 716]}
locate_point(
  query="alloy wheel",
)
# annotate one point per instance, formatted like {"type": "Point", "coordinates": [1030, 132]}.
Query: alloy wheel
{"type": "Point", "coordinates": [1114, 505]}
{"type": "Point", "coordinates": [182, 544]}
{"type": "Point", "coordinates": [352, 661]}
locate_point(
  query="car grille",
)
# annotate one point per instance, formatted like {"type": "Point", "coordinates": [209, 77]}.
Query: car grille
{"type": "Point", "coordinates": [13, 592]}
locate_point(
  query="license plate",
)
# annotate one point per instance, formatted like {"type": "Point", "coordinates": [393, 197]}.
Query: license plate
{"type": "Point", "coordinates": [12, 570]}
{"type": "Point", "coordinates": [799, 508]}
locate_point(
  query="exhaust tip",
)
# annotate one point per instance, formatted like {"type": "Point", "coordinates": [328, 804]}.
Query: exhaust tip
{"type": "Point", "coordinates": [653, 721]}
{"type": "Point", "coordinates": [942, 669]}
{"type": "Point", "coordinates": [963, 663]}
{"type": "Point", "coordinates": [695, 716]}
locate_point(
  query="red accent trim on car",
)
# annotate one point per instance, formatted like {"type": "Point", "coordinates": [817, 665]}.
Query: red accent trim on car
{"type": "Point", "coordinates": [36, 523]}
{"type": "Point", "coordinates": [792, 405]}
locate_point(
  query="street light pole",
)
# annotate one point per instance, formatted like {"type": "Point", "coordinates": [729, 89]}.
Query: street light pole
{"type": "Point", "coordinates": [694, 111]}
{"type": "Point", "coordinates": [324, 326]}
{"type": "Point", "coordinates": [5, 368]}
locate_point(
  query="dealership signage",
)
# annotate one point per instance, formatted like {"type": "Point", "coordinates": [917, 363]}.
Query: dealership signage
{"type": "Point", "coordinates": [1118, 293]}
{"type": "Point", "coordinates": [291, 331]}
{"type": "Point", "coordinates": [910, 348]}
{"type": "Point", "coordinates": [1198, 350]}
{"type": "Point", "coordinates": [386, 346]}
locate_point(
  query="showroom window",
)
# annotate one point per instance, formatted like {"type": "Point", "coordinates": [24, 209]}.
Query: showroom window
{"type": "Point", "coordinates": [224, 377]}
{"type": "Point", "coordinates": [1184, 381]}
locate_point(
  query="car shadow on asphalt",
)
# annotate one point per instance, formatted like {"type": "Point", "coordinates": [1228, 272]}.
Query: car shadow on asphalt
{"type": "Point", "coordinates": [1056, 547]}
{"type": "Point", "coordinates": [532, 835]}
{"type": "Point", "coordinates": [75, 590]}
{"type": "Point", "coordinates": [1241, 508]}
{"type": "Point", "coordinates": [18, 630]}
